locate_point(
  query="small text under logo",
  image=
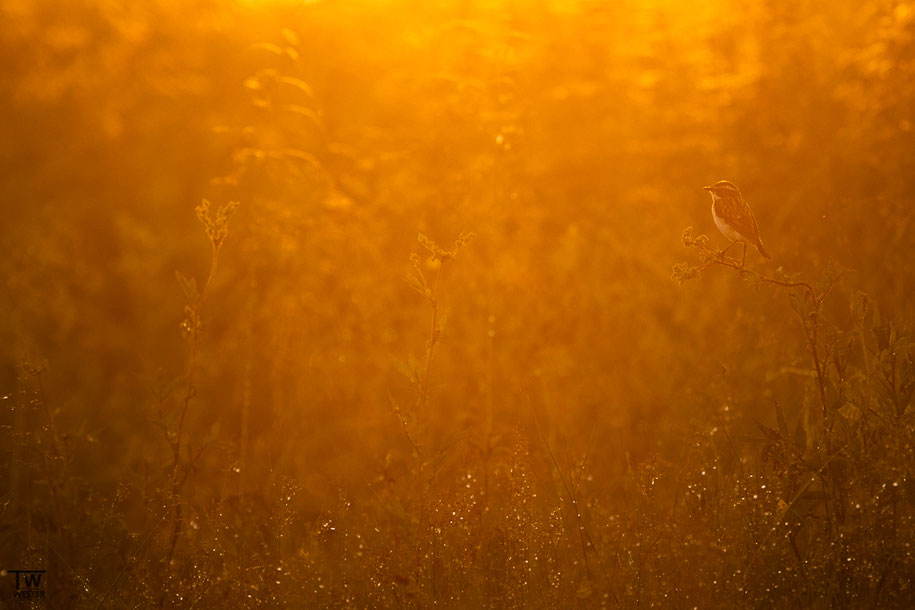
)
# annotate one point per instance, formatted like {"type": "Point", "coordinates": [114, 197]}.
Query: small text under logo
{"type": "Point", "coordinates": [29, 584]}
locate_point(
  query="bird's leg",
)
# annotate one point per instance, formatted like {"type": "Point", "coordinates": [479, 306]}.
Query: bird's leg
{"type": "Point", "coordinates": [731, 245]}
{"type": "Point", "coordinates": [743, 259]}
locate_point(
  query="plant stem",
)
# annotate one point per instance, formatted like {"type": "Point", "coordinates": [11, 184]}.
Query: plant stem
{"type": "Point", "coordinates": [433, 336]}
{"type": "Point", "coordinates": [190, 390]}
{"type": "Point", "coordinates": [810, 329]}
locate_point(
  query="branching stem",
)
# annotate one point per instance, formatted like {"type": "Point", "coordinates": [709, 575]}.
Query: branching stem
{"type": "Point", "coordinates": [809, 319]}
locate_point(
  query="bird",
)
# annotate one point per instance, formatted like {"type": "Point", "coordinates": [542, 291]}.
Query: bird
{"type": "Point", "coordinates": [733, 217]}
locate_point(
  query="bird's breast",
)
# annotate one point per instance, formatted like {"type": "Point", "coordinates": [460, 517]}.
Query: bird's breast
{"type": "Point", "coordinates": [724, 227]}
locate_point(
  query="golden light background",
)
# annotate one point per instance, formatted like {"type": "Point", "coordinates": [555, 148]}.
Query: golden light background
{"type": "Point", "coordinates": [286, 440]}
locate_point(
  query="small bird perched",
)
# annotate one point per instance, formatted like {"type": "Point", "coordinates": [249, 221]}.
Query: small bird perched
{"type": "Point", "coordinates": [733, 217]}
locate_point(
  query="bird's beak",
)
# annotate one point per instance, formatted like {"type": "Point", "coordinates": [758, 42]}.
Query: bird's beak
{"type": "Point", "coordinates": [706, 188]}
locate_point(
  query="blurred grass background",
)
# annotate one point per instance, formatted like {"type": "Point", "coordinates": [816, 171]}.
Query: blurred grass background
{"type": "Point", "coordinates": [571, 137]}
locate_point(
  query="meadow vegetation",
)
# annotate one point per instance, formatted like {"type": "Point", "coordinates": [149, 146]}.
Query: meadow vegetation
{"type": "Point", "coordinates": [394, 304]}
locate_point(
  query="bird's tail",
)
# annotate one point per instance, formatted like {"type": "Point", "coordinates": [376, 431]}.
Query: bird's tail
{"type": "Point", "coordinates": [762, 250]}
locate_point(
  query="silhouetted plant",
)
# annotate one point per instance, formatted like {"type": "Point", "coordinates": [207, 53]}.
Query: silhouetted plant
{"type": "Point", "coordinates": [217, 228]}
{"type": "Point", "coordinates": [414, 421]}
{"type": "Point", "coordinates": [850, 456]}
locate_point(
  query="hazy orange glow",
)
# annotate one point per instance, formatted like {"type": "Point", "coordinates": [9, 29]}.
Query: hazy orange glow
{"type": "Point", "coordinates": [413, 304]}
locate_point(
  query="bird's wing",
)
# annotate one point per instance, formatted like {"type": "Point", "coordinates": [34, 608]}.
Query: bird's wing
{"type": "Point", "coordinates": [737, 214]}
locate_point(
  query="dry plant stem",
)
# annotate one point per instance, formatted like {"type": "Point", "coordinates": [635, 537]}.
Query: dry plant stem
{"type": "Point", "coordinates": [190, 390]}
{"type": "Point", "coordinates": [810, 330]}
{"type": "Point", "coordinates": [418, 282]}
{"type": "Point", "coordinates": [433, 338]}
{"type": "Point", "coordinates": [809, 322]}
